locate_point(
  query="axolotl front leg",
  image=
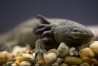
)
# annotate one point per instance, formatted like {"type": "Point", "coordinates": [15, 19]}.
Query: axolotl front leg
{"type": "Point", "coordinates": [43, 43]}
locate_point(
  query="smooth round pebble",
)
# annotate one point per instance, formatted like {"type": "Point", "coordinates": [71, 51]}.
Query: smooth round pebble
{"type": "Point", "coordinates": [50, 58]}
{"type": "Point", "coordinates": [72, 60]}
{"type": "Point", "coordinates": [63, 50]}
{"type": "Point", "coordinates": [86, 52]}
{"type": "Point", "coordinates": [55, 64]}
{"type": "Point", "coordinates": [14, 64]}
{"type": "Point", "coordinates": [29, 57]}
{"type": "Point", "coordinates": [94, 47]}
{"type": "Point", "coordinates": [25, 63]}
{"type": "Point", "coordinates": [53, 51]}
{"type": "Point", "coordinates": [84, 64]}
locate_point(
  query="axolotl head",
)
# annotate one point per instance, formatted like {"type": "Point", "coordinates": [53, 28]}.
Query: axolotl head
{"type": "Point", "coordinates": [72, 33]}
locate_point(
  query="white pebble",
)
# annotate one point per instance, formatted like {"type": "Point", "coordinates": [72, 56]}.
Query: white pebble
{"type": "Point", "coordinates": [63, 50]}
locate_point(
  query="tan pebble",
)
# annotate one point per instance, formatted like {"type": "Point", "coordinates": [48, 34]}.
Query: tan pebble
{"type": "Point", "coordinates": [94, 47]}
{"type": "Point", "coordinates": [17, 49]}
{"type": "Point", "coordinates": [29, 52]}
{"type": "Point", "coordinates": [14, 64]}
{"type": "Point", "coordinates": [17, 62]}
{"type": "Point", "coordinates": [85, 64]}
{"type": "Point", "coordinates": [86, 52]}
{"type": "Point", "coordinates": [29, 57]}
{"type": "Point", "coordinates": [72, 60]}
{"type": "Point", "coordinates": [89, 60]}
{"type": "Point", "coordinates": [53, 51]}
{"type": "Point", "coordinates": [25, 63]}
{"type": "Point", "coordinates": [20, 58]}
{"type": "Point", "coordinates": [50, 58]}
{"type": "Point", "coordinates": [5, 56]}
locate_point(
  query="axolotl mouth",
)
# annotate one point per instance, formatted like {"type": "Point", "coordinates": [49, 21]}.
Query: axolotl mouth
{"type": "Point", "coordinates": [81, 36]}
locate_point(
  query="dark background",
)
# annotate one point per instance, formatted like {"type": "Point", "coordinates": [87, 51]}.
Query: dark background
{"type": "Point", "coordinates": [13, 12]}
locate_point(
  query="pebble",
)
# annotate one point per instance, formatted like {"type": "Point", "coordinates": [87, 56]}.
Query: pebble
{"type": "Point", "coordinates": [94, 47]}
{"type": "Point", "coordinates": [5, 56]}
{"type": "Point", "coordinates": [29, 57]}
{"type": "Point", "coordinates": [59, 60]}
{"type": "Point", "coordinates": [53, 51]}
{"type": "Point", "coordinates": [55, 64]}
{"type": "Point", "coordinates": [19, 58]}
{"type": "Point", "coordinates": [82, 46]}
{"type": "Point", "coordinates": [25, 63]}
{"type": "Point", "coordinates": [18, 49]}
{"type": "Point", "coordinates": [63, 50]}
{"type": "Point", "coordinates": [90, 60]}
{"type": "Point", "coordinates": [8, 63]}
{"type": "Point", "coordinates": [84, 64]}
{"type": "Point", "coordinates": [86, 52]}
{"type": "Point", "coordinates": [73, 51]}
{"type": "Point", "coordinates": [72, 60]}
{"type": "Point", "coordinates": [63, 64]}
{"type": "Point", "coordinates": [63, 56]}
{"type": "Point", "coordinates": [36, 64]}
{"type": "Point", "coordinates": [14, 64]}
{"type": "Point", "coordinates": [17, 62]}
{"type": "Point", "coordinates": [50, 58]}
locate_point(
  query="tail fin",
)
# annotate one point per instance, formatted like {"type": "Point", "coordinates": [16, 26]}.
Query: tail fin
{"type": "Point", "coordinates": [5, 37]}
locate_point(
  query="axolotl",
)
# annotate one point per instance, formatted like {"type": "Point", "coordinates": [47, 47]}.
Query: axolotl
{"type": "Point", "coordinates": [52, 33]}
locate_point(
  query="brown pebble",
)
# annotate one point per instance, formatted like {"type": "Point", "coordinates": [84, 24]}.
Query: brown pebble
{"type": "Point", "coordinates": [89, 60]}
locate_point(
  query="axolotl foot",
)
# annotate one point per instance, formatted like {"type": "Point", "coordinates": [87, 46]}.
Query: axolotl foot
{"type": "Point", "coordinates": [39, 52]}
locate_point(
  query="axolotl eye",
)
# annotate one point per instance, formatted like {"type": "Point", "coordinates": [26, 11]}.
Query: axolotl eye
{"type": "Point", "coordinates": [75, 30]}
